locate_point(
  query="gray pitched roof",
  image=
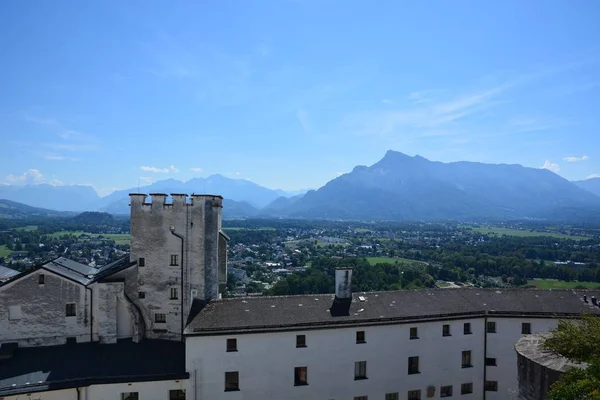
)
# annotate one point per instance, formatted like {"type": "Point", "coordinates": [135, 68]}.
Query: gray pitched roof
{"type": "Point", "coordinates": [6, 272]}
{"type": "Point", "coordinates": [34, 369]}
{"type": "Point", "coordinates": [311, 311]}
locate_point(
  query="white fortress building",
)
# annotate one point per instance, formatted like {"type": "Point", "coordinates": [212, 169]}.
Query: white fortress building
{"type": "Point", "coordinates": [153, 326]}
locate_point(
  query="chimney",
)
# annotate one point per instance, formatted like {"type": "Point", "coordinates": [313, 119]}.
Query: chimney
{"type": "Point", "coordinates": [343, 283]}
{"type": "Point", "coordinates": [594, 301]}
{"type": "Point", "coordinates": [585, 298]}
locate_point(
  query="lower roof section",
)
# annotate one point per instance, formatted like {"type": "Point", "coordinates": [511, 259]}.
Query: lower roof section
{"type": "Point", "coordinates": [35, 369]}
{"type": "Point", "coordinates": [275, 313]}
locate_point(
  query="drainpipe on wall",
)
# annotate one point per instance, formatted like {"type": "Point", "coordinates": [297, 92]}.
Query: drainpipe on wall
{"type": "Point", "coordinates": [172, 229]}
{"type": "Point", "coordinates": [91, 319]}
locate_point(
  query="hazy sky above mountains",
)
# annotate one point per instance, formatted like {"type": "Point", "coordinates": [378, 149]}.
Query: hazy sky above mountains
{"type": "Point", "coordinates": [289, 94]}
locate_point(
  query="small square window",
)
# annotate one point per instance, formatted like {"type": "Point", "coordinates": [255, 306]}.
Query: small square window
{"type": "Point", "coordinates": [446, 330]}
{"type": "Point", "coordinates": [141, 262]}
{"type": "Point", "coordinates": [491, 327]}
{"type": "Point", "coordinates": [490, 362]}
{"type": "Point", "coordinates": [130, 396]}
{"type": "Point", "coordinates": [466, 388]}
{"type": "Point", "coordinates": [174, 294]}
{"type": "Point", "coordinates": [300, 340]}
{"type": "Point", "coordinates": [142, 295]}
{"type": "Point", "coordinates": [526, 328]}
{"type": "Point", "coordinates": [174, 260]}
{"type": "Point", "coordinates": [300, 376]}
{"type": "Point", "coordinates": [446, 391]}
{"type": "Point", "coordinates": [414, 333]}
{"type": "Point", "coordinates": [41, 279]}
{"type": "Point", "coordinates": [360, 337]}
{"type": "Point", "coordinates": [70, 310]}
{"type": "Point", "coordinates": [491, 386]}
{"type": "Point", "coordinates": [232, 381]}
{"type": "Point", "coordinates": [392, 396]}
{"type": "Point", "coordinates": [232, 345]}
{"type": "Point", "coordinates": [360, 370]}
{"type": "Point", "coordinates": [177, 394]}
{"type": "Point", "coordinates": [466, 359]}
{"type": "Point", "coordinates": [160, 318]}
{"type": "Point", "coordinates": [413, 365]}
{"type": "Point", "coordinates": [467, 328]}
{"type": "Point", "coordinates": [414, 395]}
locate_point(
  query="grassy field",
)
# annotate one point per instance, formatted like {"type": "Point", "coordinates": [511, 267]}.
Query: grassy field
{"type": "Point", "coordinates": [262, 228]}
{"type": "Point", "coordinates": [119, 238]}
{"type": "Point", "coordinates": [4, 252]}
{"type": "Point", "coordinates": [525, 233]}
{"type": "Point", "coordinates": [391, 260]}
{"type": "Point", "coordinates": [62, 233]}
{"type": "Point", "coordinates": [27, 228]}
{"type": "Point", "coordinates": [555, 284]}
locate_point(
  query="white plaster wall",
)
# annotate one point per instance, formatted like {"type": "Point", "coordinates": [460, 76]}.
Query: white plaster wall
{"type": "Point", "coordinates": [67, 394]}
{"type": "Point", "coordinates": [125, 320]}
{"type": "Point", "coordinates": [43, 321]}
{"type": "Point", "coordinates": [105, 310]}
{"type": "Point", "coordinates": [266, 362]}
{"type": "Point", "coordinates": [501, 345]}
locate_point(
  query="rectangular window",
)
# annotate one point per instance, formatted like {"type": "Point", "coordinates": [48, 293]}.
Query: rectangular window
{"type": "Point", "coordinates": [413, 365]}
{"type": "Point", "coordinates": [232, 381]}
{"type": "Point", "coordinates": [231, 344]}
{"type": "Point", "coordinates": [14, 312]}
{"type": "Point", "coordinates": [300, 340]}
{"type": "Point", "coordinates": [414, 333]}
{"type": "Point", "coordinates": [491, 386]}
{"type": "Point", "coordinates": [130, 396]}
{"type": "Point", "coordinates": [414, 395]}
{"type": "Point", "coordinates": [41, 279]}
{"type": "Point", "coordinates": [490, 362]}
{"type": "Point", "coordinates": [360, 370]}
{"type": "Point", "coordinates": [141, 262]}
{"type": "Point", "coordinates": [177, 394]}
{"type": "Point", "coordinates": [174, 259]}
{"type": "Point", "coordinates": [300, 376]}
{"type": "Point", "coordinates": [142, 295]}
{"type": "Point", "coordinates": [491, 327]}
{"type": "Point", "coordinates": [160, 318]}
{"type": "Point", "coordinates": [361, 397]}
{"type": "Point", "coordinates": [467, 328]}
{"type": "Point", "coordinates": [70, 309]}
{"type": "Point", "coordinates": [446, 391]}
{"type": "Point", "coordinates": [526, 328]}
{"type": "Point", "coordinates": [174, 295]}
{"type": "Point", "coordinates": [466, 359]}
{"type": "Point", "coordinates": [392, 396]}
{"type": "Point", "coordinates": [466, 388]}
{"type": "Point", "coordinates": [446, 330]}
{"type": "Point", "coordinates": [360, 337]}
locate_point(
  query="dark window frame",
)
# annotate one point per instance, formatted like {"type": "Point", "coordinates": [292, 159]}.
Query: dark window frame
{"type": "Point", "coordinates": [413, 365]}
{"type": "Point", "coordinates": [141, 262]}
{"type": "Point", "coordinates": [467, 329]}
{"type": "Point", "coordinates": [392, 396]}
{"type": "Point", "coordinates": [414, 394]}
{"type": "Point", "coordinates": [446, 391]}
{"type": "Point", "coordinates": [177, 394]}
{"type": "Point", "coordinates": [467, 359]}
{"type": "Point", "coordinates": [360, 370]}
{"type": "Point", "coordinates": [141, 295]}
{"type": "Point", "coordinates": [300, 341]}
{"type": "Point", "coordinates": [232, 381]}
{"type": "Point", "coordinates": [174, 260]}
{"type": "Point", "coordinates": [490, 362]}
{"type": "Point", "coordinates": [491, 327]}
{"type": "Point", "coordinates": [130, 396]}
{"type": "Point", "coordinates": [446, 330]}
{"type": "Point", "coordinates": [231, 345]}
{"type": "Point", "coordinates": [466, 388]}
{"type": "Point", "coordinates": [299, 379]}
{"type": "Point", "coordinates": [361, 337]}
{"type": "Point", "coordinates": [416, 333]}
{"type": "Point", "coordinates": [71, 310]}
{"type": "Point", "coordinates": [41, 279]}
{"type": "Point", "coordinates": [490, 386]}
{"type": "Point", "coordinates": [525, 328]}
{"type": "Point", "coordinates": [158, 320]}
{"type": "Point", "coordinates": [176, 292]}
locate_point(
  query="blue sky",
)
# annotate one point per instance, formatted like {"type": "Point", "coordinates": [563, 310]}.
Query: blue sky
{"type": "Point", "coordinates": [289, 94]}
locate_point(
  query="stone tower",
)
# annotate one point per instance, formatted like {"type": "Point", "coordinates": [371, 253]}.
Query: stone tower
{"type": "Point", "coordinates": [181, 256]}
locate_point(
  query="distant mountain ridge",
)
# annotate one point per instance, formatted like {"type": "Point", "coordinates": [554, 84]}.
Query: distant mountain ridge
{"type": "Point", "coordinates": [400, 187]}
{"type": "Point", "coordinates": [592, 185]}
{"type": "Point", "coordinates": [14, 210]}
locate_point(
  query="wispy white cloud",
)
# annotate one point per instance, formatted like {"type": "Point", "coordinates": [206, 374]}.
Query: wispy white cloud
{"type": "Point", "coordinates": [146, 179]}
{"type": "Point", "coordinates": [304, 120]}
{"type": "Point", "coordinates": [387, 101]}
{"type": "Point", "coordinates": [592, 176]}
{"type": "Point", "coordinates": [549, 165]}
{"type": "Point", "coordinates": [196, 169]}
{"type": "Point", "coordinates": [170, 168]}
{"type": "Point", "coordinates": [572, 159]}
{"type": "Point", "coordinates": [58, 157]}
{"type": "Point", "coordinates": [29, 176]}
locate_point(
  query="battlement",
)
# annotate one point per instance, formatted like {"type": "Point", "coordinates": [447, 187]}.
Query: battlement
{"type": "Point", "coordinates": [177, 199]}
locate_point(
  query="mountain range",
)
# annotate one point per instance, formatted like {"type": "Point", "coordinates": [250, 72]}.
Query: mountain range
{"type": "Point", "coordinates": [398, 187]}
